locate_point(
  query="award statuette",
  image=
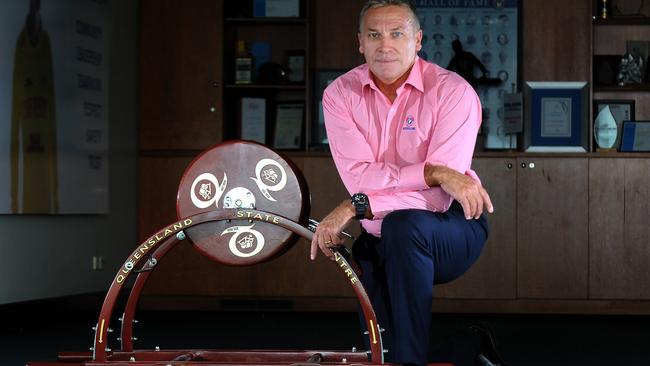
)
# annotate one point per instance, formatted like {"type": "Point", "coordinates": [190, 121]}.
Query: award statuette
{"type": "Point", "coordinates": [603, 9]}
{"type": "Point", "coordinates": [605, 130]}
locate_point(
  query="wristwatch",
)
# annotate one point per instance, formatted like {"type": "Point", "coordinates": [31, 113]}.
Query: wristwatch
{"type": "Point", "coordinates": [360, 203]}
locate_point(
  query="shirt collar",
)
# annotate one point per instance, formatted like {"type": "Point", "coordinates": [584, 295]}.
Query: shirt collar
{"type": "Point", "coordinates": [414, 79]}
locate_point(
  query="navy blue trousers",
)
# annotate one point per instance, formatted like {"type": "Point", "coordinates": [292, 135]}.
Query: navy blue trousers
{"type": "Point", "coordinates": [417, 249]}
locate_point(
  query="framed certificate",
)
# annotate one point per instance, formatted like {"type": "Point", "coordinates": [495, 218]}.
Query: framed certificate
{"type": "Point", "coordinates": [636, 136]}
{"type": "Point", "coordinates": [253, 119]}
{"type": "Point", "coordinates": [289, 119]}
{"type": "Point", "coordinates": [556, 117]}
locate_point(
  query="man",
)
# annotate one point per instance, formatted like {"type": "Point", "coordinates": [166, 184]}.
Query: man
{"type": "Point", "coordinates": [402, 134]}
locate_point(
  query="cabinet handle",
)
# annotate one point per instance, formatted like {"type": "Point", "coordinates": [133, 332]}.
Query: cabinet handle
{"type": "Point", "coordinates": [523, 165]}
{"type": "Point", "coordinates": [531, 165]}
{"type": "Point", "coordinates": [213, 109]}
{"type": "Point", "coordinates": [215, 84]}
{"type": "Point", "coordinates": [509, 165]}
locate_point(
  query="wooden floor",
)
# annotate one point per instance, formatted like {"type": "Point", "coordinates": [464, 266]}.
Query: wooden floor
{"type": "Point", "coordinates": [37, 331]}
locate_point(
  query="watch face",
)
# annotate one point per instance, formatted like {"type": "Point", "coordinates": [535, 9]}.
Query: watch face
{"type": "Point", "coordinates": [360, 199]}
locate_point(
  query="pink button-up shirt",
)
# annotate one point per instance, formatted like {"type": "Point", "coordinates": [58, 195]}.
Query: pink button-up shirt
{"type": "Point", "coordinates": [380, 148]}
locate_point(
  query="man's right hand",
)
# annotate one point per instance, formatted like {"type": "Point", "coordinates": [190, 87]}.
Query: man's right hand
{"type": "Point", "coordinates": [467, 191]}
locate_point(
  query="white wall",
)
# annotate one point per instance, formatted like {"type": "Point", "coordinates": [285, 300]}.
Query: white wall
{"type": "Point", "coordinates": [51, 256]}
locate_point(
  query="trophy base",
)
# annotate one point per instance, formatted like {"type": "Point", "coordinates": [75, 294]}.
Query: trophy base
{"type": "Point", "coordinates": [604, 150]}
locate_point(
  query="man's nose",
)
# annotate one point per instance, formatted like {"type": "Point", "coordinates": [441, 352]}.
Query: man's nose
{"type": "Point", "coordinates": [386, 43]}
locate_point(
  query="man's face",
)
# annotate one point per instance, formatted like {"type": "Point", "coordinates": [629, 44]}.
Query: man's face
{"type": "Point", "coordinates": [389, 42]}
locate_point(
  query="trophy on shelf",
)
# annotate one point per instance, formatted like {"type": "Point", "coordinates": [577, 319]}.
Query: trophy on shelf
{"type": "Point", "coordinates": [605, 130]}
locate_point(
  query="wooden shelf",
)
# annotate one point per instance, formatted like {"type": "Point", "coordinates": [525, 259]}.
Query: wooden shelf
{"type": "Point", "coordinates": [626, 88]}
{"type": "Point", "coordinates": [268, 20]}
{"type": "Point", "coordinates": [266, 86]}
{"type": "Point", "coordinates": [630, 20]}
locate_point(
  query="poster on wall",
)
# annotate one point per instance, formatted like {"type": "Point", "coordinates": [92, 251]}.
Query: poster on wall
{"type": "Point", "coordinates": [53, 106]}
{"type": "Point", "coordinates": [477, 39]}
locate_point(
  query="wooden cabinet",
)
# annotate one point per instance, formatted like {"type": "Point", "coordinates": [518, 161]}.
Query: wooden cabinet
{"type": "Point", "coordinates": [571, 229]}
{"type": "Point", "coordinates": [619, 230]}
{"type": "Point", "coordinates": [493, 276]}
{"type": "Point", "coordinates": [552, 224]}
{"type": "Point", "coordinates": [537, 248]}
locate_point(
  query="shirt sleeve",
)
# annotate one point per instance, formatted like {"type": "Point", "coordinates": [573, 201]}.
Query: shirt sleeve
{"type": "Point", "coordinates": [353, 156]}
{"type": "Point", "coordinates": [452, 142]}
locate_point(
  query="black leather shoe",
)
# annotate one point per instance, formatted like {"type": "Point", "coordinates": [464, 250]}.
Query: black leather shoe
{"type": "Point", "coordinates": [489, 355]}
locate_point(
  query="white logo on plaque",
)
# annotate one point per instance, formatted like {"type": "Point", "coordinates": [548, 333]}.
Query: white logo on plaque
{"type": "Point", "coordinates": [269, 176]}
{"type": "Point", "coordinates": [209, 191]}
{"type": "Point", "coordinates": [239, 197]}
{"type": "Point", "coordinates": [245, 238]}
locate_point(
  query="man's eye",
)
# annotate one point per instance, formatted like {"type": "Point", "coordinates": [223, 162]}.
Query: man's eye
{"type": "Point", "coordinates": [397, 34]}
{"type": "Point", "coordinates": [374, 35]}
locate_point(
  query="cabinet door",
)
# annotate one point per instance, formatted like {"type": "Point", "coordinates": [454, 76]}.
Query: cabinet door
{"type": "Point", "coordinates": [552, 228]}
{"type": "Point", "coordinates": [180, 74]}
{"type": "Point", "coordinates": [493, 275]}
{"type": "Point", "coordinates": [619, 230]}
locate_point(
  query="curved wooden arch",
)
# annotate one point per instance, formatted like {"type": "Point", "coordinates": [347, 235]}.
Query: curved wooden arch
{"type": "Point", "coordinates": [160, 243]}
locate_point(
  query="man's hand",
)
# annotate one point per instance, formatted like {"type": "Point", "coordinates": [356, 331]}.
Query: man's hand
{"type": "Point", "coordinates": [328, 232]}
{"type": "Point", "coordinates": [464, 189]}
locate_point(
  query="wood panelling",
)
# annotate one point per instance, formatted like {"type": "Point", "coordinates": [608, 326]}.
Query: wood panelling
{"type": "Point", "coordinates": [552, 228]}
{"type": "Point", "coordinates": [611, 40]}
{"type": "Point", "coordinates": [158, 183]}
{"type": "Point", "coordinates": [493, 276]}
{"type": "Point", "coordinates": [180, 74]}
{"type": "Point", "coordinates": [336, 24]}
{"type": "Point", "coordinates": [556, 40]}
{"type": "Point", "coordinates": [620, 229]}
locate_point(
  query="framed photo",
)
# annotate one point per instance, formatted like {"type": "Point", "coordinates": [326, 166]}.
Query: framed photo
{"type": "Point", "coordinates": [289, 117]}
{"type": "Point", "coordinates": [556, 116]}
{"type": "Point", "coordinates": [489, 30]}
{"type": "Point", "coordinates": [295, 63]}
{"type": "Point", "coordinates": [622, 110]}
{"type": "Point", "coordinates": [636, 136]}
{"type": "Point", "coordinates": [322, 78]}
{"type": "Point", "coordinates": [253, 119]}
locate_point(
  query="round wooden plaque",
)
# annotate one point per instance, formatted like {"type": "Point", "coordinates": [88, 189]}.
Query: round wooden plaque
{"type": "Point", "coordinates": [240, 175]}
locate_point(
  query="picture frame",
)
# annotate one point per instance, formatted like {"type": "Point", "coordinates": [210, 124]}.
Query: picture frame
{"type": "Point", "coordinates": [556, 116]}
{"type": "Point", "coordinates": [490, 31]}
{"type": "Point", "coordinates": [289, 122]}
{"type": "Point", "coordinates": [252, 115]}
{"type": "Point", "coordinates": [295, 64]}
{"type": "Point", "coordinates": [322, 78]}
{"type": "Point", "coordinates": [622, 110]}
{"type": "Point", "coordinates": [636, 136]}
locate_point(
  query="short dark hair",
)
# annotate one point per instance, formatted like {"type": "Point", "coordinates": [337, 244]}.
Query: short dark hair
{"type": "Point", "coordinates": [371, 4]}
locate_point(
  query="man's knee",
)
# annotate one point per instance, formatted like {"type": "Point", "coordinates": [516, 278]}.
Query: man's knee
{"type": "Point", "coordinates": [408, 229]}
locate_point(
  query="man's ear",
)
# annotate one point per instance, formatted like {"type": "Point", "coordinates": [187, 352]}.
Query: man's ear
{"type": "Point", "coordinates": [360, 43]}
{"type": "Point", "coordinates": [418, 41]}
